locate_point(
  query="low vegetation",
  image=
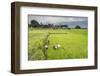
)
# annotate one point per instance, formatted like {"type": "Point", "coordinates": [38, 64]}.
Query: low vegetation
{"type": "Point", "coordinates": [72, 43]}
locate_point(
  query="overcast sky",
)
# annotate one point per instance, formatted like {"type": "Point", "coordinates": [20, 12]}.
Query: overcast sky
{"type": "Point", "coordinates": [71, 21]}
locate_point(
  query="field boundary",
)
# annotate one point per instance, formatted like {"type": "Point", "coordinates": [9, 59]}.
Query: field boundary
{"type": "Point", "coordinates": [58, 33]}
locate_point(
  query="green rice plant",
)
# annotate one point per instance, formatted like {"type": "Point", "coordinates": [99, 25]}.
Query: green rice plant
{"type": "Point", "coordinates": [74, 44]}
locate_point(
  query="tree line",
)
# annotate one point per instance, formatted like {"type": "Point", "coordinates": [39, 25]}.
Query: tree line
{"type": "Point", "coordinates": [35, 23]}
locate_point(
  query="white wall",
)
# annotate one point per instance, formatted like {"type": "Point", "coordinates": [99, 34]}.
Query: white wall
{"type": "Point", "coordinates": [5, 42]}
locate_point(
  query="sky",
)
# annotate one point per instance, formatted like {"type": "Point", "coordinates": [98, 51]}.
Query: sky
{"type": "Point", "coordinates": [71, 21]}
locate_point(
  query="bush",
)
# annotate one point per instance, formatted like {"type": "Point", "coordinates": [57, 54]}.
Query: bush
{"type": "Point", "coordinates": [78, 27]}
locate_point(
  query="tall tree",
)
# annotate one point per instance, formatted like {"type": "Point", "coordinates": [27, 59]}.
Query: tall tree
{"type": "Point", "coordinates": [34, 23]}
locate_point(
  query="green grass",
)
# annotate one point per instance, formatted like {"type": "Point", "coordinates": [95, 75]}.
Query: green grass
{"type": "Point", "coordinates": [73, 44]}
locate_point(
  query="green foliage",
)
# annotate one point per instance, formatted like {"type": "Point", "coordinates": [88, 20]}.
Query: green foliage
{"type": "Point", "coordinates": [73, 43]}
{"type": "Point", "coordinates": [34, 23]}
{"type": "Point", "coordinates": [78, 27]}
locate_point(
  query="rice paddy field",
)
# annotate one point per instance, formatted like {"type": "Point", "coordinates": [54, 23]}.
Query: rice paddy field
{"type": "Point", "coordinates": [73, 43]}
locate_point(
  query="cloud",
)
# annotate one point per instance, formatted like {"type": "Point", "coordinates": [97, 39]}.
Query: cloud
{"type": "Point", "coordinates": [55, 19]}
